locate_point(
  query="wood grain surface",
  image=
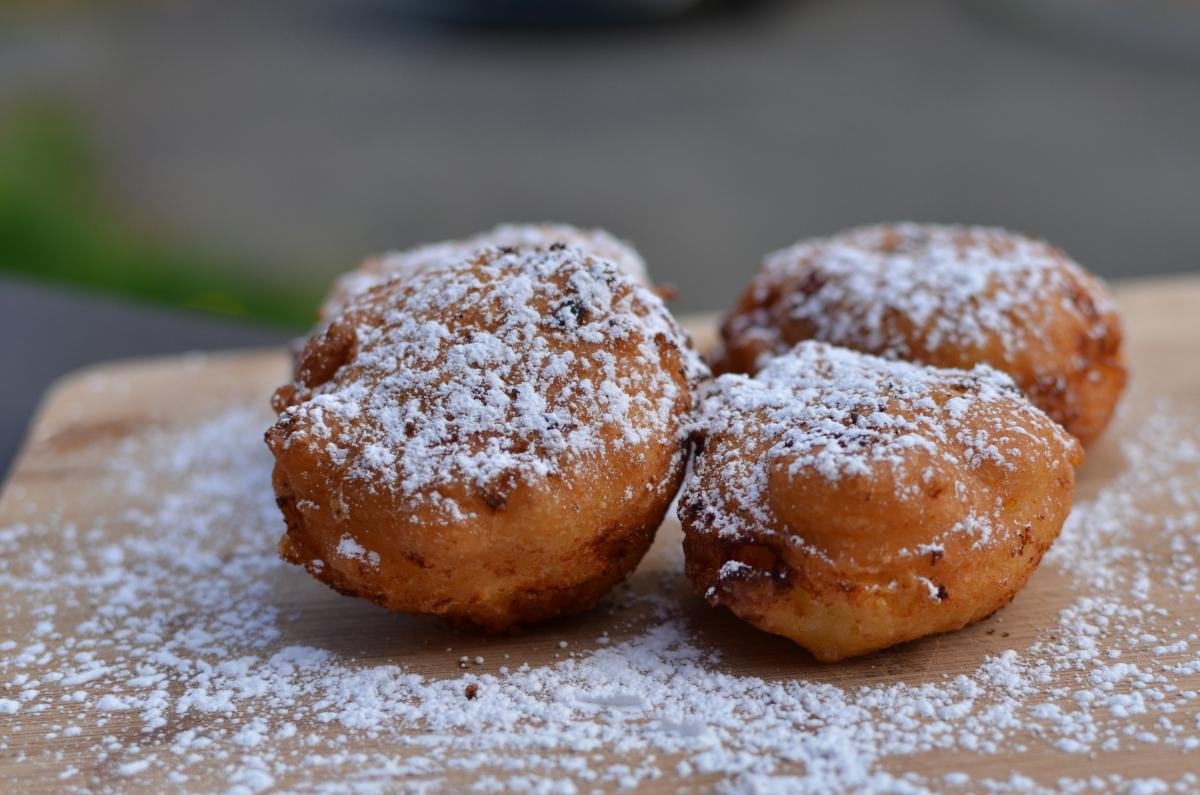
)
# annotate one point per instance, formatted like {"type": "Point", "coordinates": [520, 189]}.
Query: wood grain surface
{"type": "Point", "coordinates": [67, 462]}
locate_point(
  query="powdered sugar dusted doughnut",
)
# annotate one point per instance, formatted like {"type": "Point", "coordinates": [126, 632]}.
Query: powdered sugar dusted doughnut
{"type": "Point", "coordinates": [950, 296]}
{"type": "Point", "coordinates": [850, 502]}
{"type": "Point", "coordinates": [493, 442]}
{"type": "Point", "coordinates": [405, 264]}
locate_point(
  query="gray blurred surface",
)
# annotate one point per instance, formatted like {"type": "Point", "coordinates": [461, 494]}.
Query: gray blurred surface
{"type": "Point", "coordinates": [49, 332]}
{"type": "Point", "coordinates": [309, 133]}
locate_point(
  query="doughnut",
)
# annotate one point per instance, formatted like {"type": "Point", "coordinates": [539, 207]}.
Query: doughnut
{"type": "Point", "coordinates": [949, 296]}
{"type": "Point", "coordinates": [850, 502]}
{"type": "Point", "coordinates": [404, 264]}
{"type": "Point", "coordinates": [492, 442]}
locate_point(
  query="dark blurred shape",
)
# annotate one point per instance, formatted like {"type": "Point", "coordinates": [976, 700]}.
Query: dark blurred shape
{"type": "Point", "coordinates": [545, 13]}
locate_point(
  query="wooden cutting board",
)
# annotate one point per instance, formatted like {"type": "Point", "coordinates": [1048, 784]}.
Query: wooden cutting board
{"type": "Point", "coordinates": [62, 486]}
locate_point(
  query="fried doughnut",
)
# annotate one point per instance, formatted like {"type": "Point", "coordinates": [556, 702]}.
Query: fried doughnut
{"type": "Point", "coordinates": [950, 296]}
{"type": "Point", "coordinates": [850, 502]}
{"type": "Point", "coordinates": [493, 442]}
{"type": "Point", "coordinates": [405, 264]}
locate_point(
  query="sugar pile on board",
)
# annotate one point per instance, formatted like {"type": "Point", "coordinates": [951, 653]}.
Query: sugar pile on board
{"type": "Point", "coordinates": [190, 667]}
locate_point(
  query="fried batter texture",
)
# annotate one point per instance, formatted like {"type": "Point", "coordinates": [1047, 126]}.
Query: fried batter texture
{"type": "Point", "coordinates": [949, 296]}
{"type": "Point", "coordinates": [405, 264]}
{"type": "Point", "coordinates": [493, 442]}
{"type": "Point", "coordinates": [850, 502]}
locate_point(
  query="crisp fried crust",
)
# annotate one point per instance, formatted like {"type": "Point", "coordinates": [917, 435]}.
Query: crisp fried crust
{"type": "Point", "coordinates": [947, 296]}
{"type": "Point", "coordinates": [850, 503]}
{"type": "Point", "coordinates": [494, 443]}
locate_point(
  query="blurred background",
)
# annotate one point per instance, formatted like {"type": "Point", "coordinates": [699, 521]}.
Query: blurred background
{"type": "Point", "coordinates": [181, 174]}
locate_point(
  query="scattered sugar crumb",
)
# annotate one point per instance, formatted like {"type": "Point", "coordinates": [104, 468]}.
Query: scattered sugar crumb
{"type": "Point", "coordinates": [190, 637]}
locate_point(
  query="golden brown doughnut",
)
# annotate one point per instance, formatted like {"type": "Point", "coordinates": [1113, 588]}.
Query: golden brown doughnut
{"type": "Point", "coordinates": [404, 264]}
{"type": "Point", "coordinates": [950, 296]}
{"type": "Point", "coordinates": [493, 442]}
{"type": "Point", "coordinates": [850, 502]}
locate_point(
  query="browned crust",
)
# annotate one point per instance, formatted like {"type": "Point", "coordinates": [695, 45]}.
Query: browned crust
{"type": "Point", "coordinates": [836, 564]}
{"type": "Point", "coordinates": [417, 587]}
{"type": "Point", "coordinates": [523, 550]}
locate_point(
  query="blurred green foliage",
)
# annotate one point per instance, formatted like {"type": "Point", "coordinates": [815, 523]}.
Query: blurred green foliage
{"type": "Point", "coordinates": [55, 224]}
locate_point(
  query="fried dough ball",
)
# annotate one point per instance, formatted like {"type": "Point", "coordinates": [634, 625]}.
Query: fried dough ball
{"type": "Point", "coordinates": [950, 296]}
{"type": "Point", "coordinates": [850, 503]}
{"type": "Point", "coordinates": [405, 264]}
{"type": "Point", "coordinates": [493, 442]}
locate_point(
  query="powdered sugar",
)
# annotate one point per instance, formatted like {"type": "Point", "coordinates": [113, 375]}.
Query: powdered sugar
{"type": "Point", "coordinates": [561, 361]}
{"type": "Point", "coordinates": [953, 288]}
{"type": "Point", "coordinates": [404, 265]}
{"type": "Point", "coordinates": [845, 414]}
{"type": "Point", "coordinates": [192, 623]}
{"type": "Point", "coordinates": [349, 548]}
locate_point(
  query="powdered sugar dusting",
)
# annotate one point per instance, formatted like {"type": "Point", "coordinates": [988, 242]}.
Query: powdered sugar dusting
{"type": "Point", "coordinates": [881, 288]}
{"type": "Point", "coordinates": [404, 265]}
{"type": "Point", "coordinates": [844, 414]}
{"type": "Point", "coordinates": [349, 548]}
{"type": "Point", "coordinates": [189, 665]}
{"type": "Point", "coordinates": [563, 361]}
